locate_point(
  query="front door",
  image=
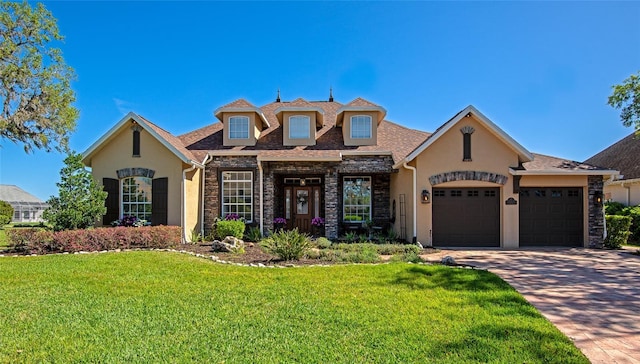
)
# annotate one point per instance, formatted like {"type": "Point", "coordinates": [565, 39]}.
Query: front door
{"type": "Point", "coordinates": [302, 210]}
{"type": "Point", "coordinates": [302, 204]}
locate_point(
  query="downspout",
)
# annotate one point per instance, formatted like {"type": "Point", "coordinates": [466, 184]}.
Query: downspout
{"type": "Point", "coordinates": [183, 208]}
{"type": "Point", "coordinates": [207, 159]}
{"type": "Point", "coordinates": [261, 182]}
{"type": "Point", "coordinates": [415, 212]}
{"type": "Point", "coordinates": [628, 188]}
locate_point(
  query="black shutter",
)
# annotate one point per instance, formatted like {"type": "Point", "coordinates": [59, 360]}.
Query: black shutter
{"type": "Point", "coordinates": [159, 203]}
{"type": "Point", "coordinates": [112, 203]}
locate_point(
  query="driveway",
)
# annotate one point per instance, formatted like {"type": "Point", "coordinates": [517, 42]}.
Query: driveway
{"type": "Point", "coordinates": [592, 296]}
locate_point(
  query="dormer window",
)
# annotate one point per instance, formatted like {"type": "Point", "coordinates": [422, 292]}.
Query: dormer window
{"type": "Point", "coordinates": [238, 127]}
{"type": "Point", "coordinates": [299, 127]}
{"type": "Point", "coordinates": [361, 127]}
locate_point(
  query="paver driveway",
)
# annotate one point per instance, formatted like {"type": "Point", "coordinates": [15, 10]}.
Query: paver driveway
{"type": "Point", "coordinates": [592, 296]}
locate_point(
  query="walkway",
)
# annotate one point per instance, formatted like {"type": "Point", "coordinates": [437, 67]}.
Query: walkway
{"type": "Point", "coordinates": [592, 296]}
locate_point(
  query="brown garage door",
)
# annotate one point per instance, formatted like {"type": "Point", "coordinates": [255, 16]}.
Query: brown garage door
{"type": "Point", "coordinates": [466, 217]}
{"type": "Point", "coordinates": [551, 216]}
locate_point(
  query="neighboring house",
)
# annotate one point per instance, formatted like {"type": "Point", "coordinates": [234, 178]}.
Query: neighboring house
{"type": "Point", "coordinates": [26, 207]}
{"type": "Point", "coordinates": [467, 184]}
{"type": "Point", "coordinates": [624, 156]}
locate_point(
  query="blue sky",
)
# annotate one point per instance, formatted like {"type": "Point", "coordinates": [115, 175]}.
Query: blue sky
{"type": "Point", "coordinates": [541, 71]}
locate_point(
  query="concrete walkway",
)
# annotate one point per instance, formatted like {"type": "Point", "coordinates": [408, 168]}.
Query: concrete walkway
{"type": "Point", "coordinates": [592, 296]}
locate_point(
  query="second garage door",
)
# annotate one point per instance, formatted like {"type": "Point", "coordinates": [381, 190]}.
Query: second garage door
{"type": "Point", "coordinates": [551, 216]}
{"type": "Point", "coordinates": [466, 217]}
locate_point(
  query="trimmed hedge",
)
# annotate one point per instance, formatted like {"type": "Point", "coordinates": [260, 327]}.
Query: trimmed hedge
{"type": "Point", "coordinates": [40, 241]}
{"type": "Point", "coordinates": [226, 228]}
{"type": "Point", "coordinates": [617, 231]}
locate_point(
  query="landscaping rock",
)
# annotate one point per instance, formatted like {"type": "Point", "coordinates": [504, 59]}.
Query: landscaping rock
{"type": "Point", "coordinates": [229, 244]}
{"type": "Point", "coordinates": [448, 260]}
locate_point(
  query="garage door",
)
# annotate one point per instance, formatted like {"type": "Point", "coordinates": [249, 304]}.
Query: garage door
{"type": "Point", "coordinates": [551, 217]}
{"type": "Point", "coordinates": [466, 217]}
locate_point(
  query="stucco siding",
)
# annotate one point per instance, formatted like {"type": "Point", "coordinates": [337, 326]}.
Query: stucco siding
{"type": "Point", "coordinates": [488, 154]}
{"type": "Point", "coordinates": [628, 194]}
{"type": "Point", "coordinates": [117, 154]}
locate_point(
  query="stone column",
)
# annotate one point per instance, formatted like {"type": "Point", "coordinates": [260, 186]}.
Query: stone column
{"type": "Point", "coordinates": [331, 212]}
{"type": "Point", "coordinates": [269, 199]}
{"type": "Point", "coordinates": [596, 213]}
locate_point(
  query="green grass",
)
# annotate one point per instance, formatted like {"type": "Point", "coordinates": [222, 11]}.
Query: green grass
{"type": "Point", "coordinates": [167, 307]}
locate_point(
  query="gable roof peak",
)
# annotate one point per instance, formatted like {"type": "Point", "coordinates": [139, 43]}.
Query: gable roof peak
{"type": "Point", "coordinates": [359, 101]}
{"type": "Point", "coordinates": [237, 103]}
{"type": "Point", "coordinates": [523, 154]}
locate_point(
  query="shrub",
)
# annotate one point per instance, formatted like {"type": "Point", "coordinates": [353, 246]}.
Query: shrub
{"type": "Point", "coordinates": [634, 213]}
{"type": "Point", "coordinates": [288, 245]}
{"type": "Point", "coordinates": [252, 234]}
{"type": "Point", "coordinates": [323, 243]}
{"type": "Point", "coordinates": [5, 210]}
{"type": "Point", "coordinates": [409, 257]}
{"type": "Point", "coordinates": [30, 240]}
{"type": "Point", "coordinates": [4, 219]}
{"type": "Point", "coordinates": [224, 228]}
{"type": "Point", "coordinates": [617, 231]}
{"type": "Point", "coordinates": [613, 208]}
{"type": "Point", "coordinates": [365, 255]}
{"type": "Point", "coordinates": [39, 241]}
{"type": "Point", "coordinates": [350, 237]}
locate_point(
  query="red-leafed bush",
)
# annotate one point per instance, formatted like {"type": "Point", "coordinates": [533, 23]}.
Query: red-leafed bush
{"type": "Point", "coordinates": [38, 241]}
{"type": "Point", "coordinates": [32, 240]}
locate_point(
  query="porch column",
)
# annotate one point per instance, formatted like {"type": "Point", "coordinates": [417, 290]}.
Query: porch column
{"type": "Point", "coordinates": [331, 203]}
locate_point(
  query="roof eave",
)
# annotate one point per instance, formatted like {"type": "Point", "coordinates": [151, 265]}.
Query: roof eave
{"type": "Point", "coordinates": [219, 111]}
{"type": "Point", "coordinates": [556, 172]}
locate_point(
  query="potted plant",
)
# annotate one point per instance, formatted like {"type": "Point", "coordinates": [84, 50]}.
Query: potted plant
{"type": "Point", "coordinates": [317, 224]}
{"type": "Point", "coordinates": [279, 223]}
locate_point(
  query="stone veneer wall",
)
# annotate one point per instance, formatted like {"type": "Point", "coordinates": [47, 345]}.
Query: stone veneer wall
{"type": "Point", "coordinates": [379, 167]}
{"type": "Point", "coordinates": [596, 213]}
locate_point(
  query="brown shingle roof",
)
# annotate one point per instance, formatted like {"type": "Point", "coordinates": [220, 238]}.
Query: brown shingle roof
{"type": "Point", "coordinates": [624, 156]}
{"type": "Point", "coordinates": [196, 156]}
{"type": "Point", "coordinates": [359, 101]}
{"type": "Point", "coordinates": [543, 162]}
{"type": "Point", "coordinates": [238, 103]}
{"type": "Point", "coordinates": [392, 138]}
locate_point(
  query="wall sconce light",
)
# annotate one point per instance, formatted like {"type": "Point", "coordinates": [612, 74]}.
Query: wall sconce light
{"type": "Point", "coordinates": [426, 197]}
{"type": "Point", "coordinates": [597, 198]}
{"type": "Point", "coordinates": [303, 182]}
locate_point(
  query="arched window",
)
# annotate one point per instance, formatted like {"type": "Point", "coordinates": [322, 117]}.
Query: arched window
{"type": "Point", "coordinates": [136, 197]}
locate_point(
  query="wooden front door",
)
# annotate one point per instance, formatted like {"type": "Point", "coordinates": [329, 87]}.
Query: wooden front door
{"type": "Point", "coordinates": [303, 205]}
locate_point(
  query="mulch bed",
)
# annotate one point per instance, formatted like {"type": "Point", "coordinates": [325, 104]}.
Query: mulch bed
{"type": "Point", "coordinates": [255, 255]}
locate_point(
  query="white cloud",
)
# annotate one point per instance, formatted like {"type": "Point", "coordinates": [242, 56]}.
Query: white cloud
{"type": "Point", "coordinates": [123, 106]}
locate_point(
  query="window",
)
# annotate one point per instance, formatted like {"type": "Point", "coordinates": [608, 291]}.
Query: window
{"type": "Point", "coordinates": [299, 127]}
{"type": "Point", "coordinates": [237, 194]}
{"type": "Point", "coordinates": [136, 142]}
{"type": "Point", "coordinates": [239, 127]}
{"type": "Point", "coordinates": [466, 148]}
{"type": "Point", "coordinates": [466, 142]}
{"type": "Point", "coordinates": [356, 193]}
{"type": "Point", "coordinates": [361, 127]}
{"type": "Point", "coordinates": [136, 197]}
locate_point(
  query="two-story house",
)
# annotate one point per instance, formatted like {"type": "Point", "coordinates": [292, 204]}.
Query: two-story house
{"type": "Point", "coordinates": [466, 184]}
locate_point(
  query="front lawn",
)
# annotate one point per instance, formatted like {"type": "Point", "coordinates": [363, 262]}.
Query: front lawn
{"type": "Point", "coordinates": [168, 307]}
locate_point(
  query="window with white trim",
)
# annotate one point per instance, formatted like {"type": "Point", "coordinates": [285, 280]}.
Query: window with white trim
{"type": "Point", "coordinates": [136, 197]}
{"type": "Point", "coordinates": [361, 127]}
{"type": "Point", "coordinates": [299, 127]}
{"type": "Point", "coordinates": [356, 198]}
{"type": "Point", "coordinates": [237, 194]}
{"type": "Point", "coordinates": [239, 127]}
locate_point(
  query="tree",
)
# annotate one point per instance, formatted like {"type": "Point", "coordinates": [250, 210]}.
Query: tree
{"type": "Point", "coordinates": [626, 97]}
{"type": "Point", "coordinates": [6, 213]}
{"type": "Point", "coordinates": [81, 200]}
{"type": "Point", "coordinates": [35, 82]}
